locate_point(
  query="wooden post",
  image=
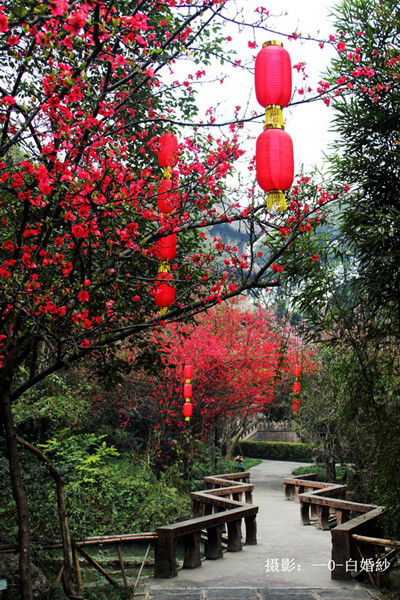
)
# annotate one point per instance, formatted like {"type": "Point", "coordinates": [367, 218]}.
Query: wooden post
{"type": "Point", "coordinates": [165, 555]}
{"type": "Point", "coordinates": [197, 509]}
{"type": "Point", "coordinates": [341, 553]}
{"type": "Point", "coordinates": [214, 543]}
{"type": "Point", "coordinates": [323, 517]}
{"type": "Point", "coordinates": [313, 512]}
{"type": "Point", "coordinates": [342, 515]}
{"type": "Point", "coordinates": [251, 530]}
{"type": "Point", "coordinates": [305, 513]}
{"type": "Point", "coordinates": [121, 564]}
{"type": "Point", "coordinates": [249, 497]}
{"type": "Point", "coordinates": [77, 569]}
{"type": "Point", "coordinates": [234, 536]}
{"type": "Point", "coordinates": [192, 558]}
{"type": "Point", "coordinates": [288, 491]}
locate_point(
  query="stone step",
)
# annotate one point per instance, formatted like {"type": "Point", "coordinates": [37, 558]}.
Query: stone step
{"type": "Point", "coordinates": [255, 593]}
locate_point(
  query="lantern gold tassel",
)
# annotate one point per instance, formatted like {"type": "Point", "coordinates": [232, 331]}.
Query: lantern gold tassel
{"type": "Point", "coordinates": [274, 117]}
{"type": "Point", "coordinates": [167, 172]}
{"type": "Point", "coordinates": [276, 197]}
{"type": "Point", "coordinates": [163, 310]}
{"type": "Point", "coordinates": [164, 267]}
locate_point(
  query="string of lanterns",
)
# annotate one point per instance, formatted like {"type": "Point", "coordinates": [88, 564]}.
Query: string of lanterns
{"type": "Point", "coordinates": [165, 247]}
{"type": "Point", "coordinates": [274, 147]}
{"type": "Point", "coordinates": [187, 392]}
{"type": "Point", "coordinates": [296, 387]}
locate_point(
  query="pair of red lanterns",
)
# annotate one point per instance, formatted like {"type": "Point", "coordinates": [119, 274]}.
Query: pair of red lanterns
{"type": "Point", "coordinates": [187, 392]}
{"type": "Point", "coordinates": [165, 247]}
{"type": "Point", "coordinates": [274, 148]}
{"type": "Point", "coordinates": [296, 388]}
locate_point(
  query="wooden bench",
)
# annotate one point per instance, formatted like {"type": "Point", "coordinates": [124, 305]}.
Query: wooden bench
{"type": "Point", "coordinates": [355, 523]}
{"type": "Point", "coordinates": [219, 505]}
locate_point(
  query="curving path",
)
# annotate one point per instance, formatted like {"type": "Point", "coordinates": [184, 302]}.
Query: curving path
{"type": "Point", "coordinates": [289, 562]}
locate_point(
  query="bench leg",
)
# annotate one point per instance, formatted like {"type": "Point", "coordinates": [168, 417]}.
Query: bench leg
{"type": "Point", "coordinates": [192, 558]}
{"type": "Point", "coordinates": [251, 530]}
{"type": "Point", "coordinates": [342, 516]}
{"type": "Point", "coordinates": [234, 536]}
{"type": "Point", "coordinates": [165, 556]}
{"type": "Point", "coordinates": [323, 517]}
{"type": "Point", "coordinates": [305, 513]}
{"type": "Point", "coordinates": [214, 543]}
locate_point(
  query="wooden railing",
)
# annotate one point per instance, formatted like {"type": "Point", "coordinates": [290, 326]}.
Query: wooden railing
{"type": "Point", "coordinates": [354, 526]}
{"type": "Point", "coordinates": [220, 504]}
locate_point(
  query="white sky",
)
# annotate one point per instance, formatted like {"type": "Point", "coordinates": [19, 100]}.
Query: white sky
{"type": "Point", "coordinates": [308, 124]}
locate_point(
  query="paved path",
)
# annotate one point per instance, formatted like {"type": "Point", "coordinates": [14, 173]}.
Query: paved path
{"type": "Point", "coordinates": [289, 562]}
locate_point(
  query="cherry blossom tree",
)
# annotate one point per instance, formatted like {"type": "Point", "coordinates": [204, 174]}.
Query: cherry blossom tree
{"type": "Point", "coordinates": [87, 88]}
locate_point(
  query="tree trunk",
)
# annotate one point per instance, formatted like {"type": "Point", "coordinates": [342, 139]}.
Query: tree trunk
{"type": "Point", "coordinates": [63, 520]}
{"type": "Point", "coordinates": [18, 493]}
{"type": "Point", "coordinates": [231, 443]}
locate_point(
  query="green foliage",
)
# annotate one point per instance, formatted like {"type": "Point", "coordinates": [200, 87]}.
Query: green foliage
{"type": "Point", "coordinates": [105, 494]}
{"type": "Point", "coordinates": [342, 473]}
{"type": "Point", "coordinates": [277, 450]}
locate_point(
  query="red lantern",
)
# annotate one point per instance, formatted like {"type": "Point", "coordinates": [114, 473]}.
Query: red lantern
{"type": "Point", "coordinates": [164, 291]}
{"type": "Point", "coordinates": [187, 409]}
{"type": "Point", "coordinates": [297, 370]}
{"type": "Point", "coordinates": [187, 372]}
{"type": "Point", "coordinates": [168, 150]}
{"type": "Point", "coordinates": [296, 387]}
{"type": "Point", "coordinates": [273, 75]}
{"type": "Point", "coordinates": [187, 390]}
{"type": "Point", "coordinates": [166, 198]}
{"type": "Point", "coordinates": [165, 247]}
{"type": "Point", "coordinates": [274, 160]}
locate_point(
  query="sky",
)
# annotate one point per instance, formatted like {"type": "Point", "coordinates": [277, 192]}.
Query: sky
{"type": "Point", "coordinates": [309, 124]}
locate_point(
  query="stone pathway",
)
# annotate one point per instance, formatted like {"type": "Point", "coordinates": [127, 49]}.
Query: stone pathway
{"type": "Point", "coordinates": [289, 562]}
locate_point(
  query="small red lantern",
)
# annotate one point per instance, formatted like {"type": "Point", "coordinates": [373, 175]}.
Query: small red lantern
{"type": "Point", "coordinates": [273, 75]}
{"type": "Point", "coordinates": [165, 247]}
{"type": "Point", "coordinates": [187, 390]}
{"type": "Point", "coordinates": [164, 291]}
{"type": "Point", "coordinates": [187, 410]}
{"type": "Point", "coordinates": [168, 150]}
{"type": "Point", "coordinates": [187, 372]}
{"type": "Point", "coordinates": [166, 197]}
{"type": "Point", "coordinates": [274, 160]}
{"type": "Point", "coordinates": [296, 387]}
{"type": "Point", "coordinates": [297, 370]}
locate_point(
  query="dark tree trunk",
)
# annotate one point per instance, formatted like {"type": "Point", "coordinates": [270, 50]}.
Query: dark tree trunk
{"type": "Point", "coordinates": [62, 517]}
{"type": "Point", "coordinates": [18, 493]}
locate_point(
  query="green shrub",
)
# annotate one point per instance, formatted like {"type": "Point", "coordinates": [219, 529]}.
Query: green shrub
{"type": "Point", "coordinates": [343, 474]}
{"type": "Point", "coordinates": [277, 450]}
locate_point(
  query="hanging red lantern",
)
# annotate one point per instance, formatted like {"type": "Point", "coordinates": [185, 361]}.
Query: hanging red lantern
{"type": "Point", "coordinates": [273, 75]}
{"type": "Point", "coordinates": [274, 164]}
{"type": "Point", "coordinates": [168, 150]}
{"type": "Point", "coordinates": [187, 410]}
{"type": "Point", "coordinates": [166, 197]}
{"type": "Point", "coordinates": [274, 160]}
{"type": "Point", "coordinates": [164, 291]}
{"type": "Point", "coordinates": [296, 387]}
{"type": "Point", "coordinates": [187, 390]}
{"type": "Point", "coordinates": [187, 372]}
{"type": "Point", "coordinates": [297, 370]}
{"type": "Point", "coordinates": [165, 247]}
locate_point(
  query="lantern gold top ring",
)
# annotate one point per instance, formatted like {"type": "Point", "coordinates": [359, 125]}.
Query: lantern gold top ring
{"type": "Point", "coordinates": [272, 43]}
